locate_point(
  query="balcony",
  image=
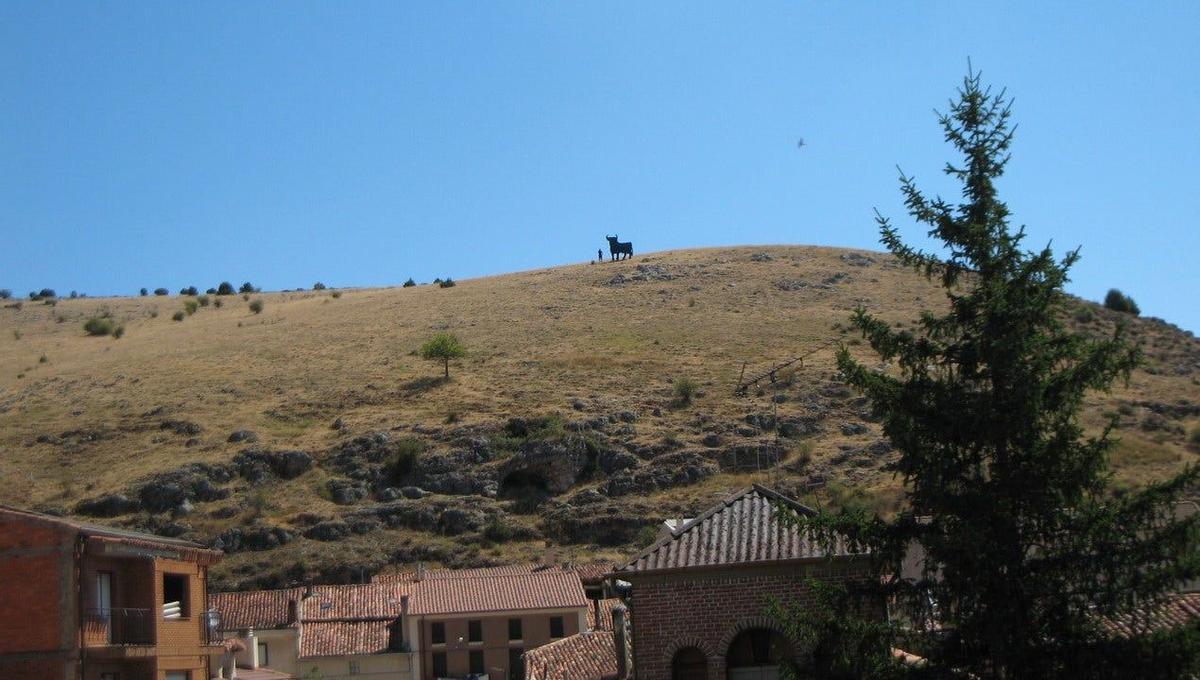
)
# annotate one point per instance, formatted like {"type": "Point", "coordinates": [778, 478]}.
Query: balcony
{"type": "Point", "coordinates": [119, 626]}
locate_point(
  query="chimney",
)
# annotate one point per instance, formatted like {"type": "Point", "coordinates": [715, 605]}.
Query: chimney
{"type": "Point", "coordinates": [404, 606]}
{"type": "Point", "coordinates": [620, 642]}
{"type": "Point", "coordinates": [293, 611]}
{"type": "Point", "coordinates": [596, 615]}
{"type": "Point", "coordinates": [420, 571]}
{"type": "Point", "coordinates": [308, 590]}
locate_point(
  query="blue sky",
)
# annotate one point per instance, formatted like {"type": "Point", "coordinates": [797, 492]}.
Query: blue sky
{"type": "Point", "coordinates": [172, 144]}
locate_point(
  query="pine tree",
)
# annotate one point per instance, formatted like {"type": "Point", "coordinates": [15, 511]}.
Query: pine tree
{"type": "Point", "coordinates": [1026, 543]}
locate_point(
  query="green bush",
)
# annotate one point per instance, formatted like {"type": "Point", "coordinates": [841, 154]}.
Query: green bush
{"type": "Point", "coordinates": [190, 306]}
{"type": "Point", "coordinates": [1084, 315]}
{"type": "Point", "coordinates": [318, 286]}
{"type": "Point", "coordinates": [336, 294]}
{"type": "Point", "coordinates": [225, 288]}
{"type": "Point", "coordinates": [5, 293]}
{"type": "Point", "coordinates": [217, 303]}
{"type": "Point", "coordinates": [43, 359]}
{"type": "Point", "coordinates": [118, 332]}
{"type": "Point", "coordinates": [1120, 302]}
{"type": "Point", "coordinates": [247, 287]}
{"type": "Point", "coordinates": [161, 291]}
{"type": "Point", "coordinates": [98, 325]}
{"type": "Point", "coordinates": [203, 300]}
{"type": "Point", "coordinates": [256, 306]}
{"type": "Point", "coordinates": [409, 283]}
{"type": "Point", "coordinates": [403, 459]}
{"type": "Point", "coordinates": [685, 390]}
{"type": "Point", "coordinates": [190, 290]}
{"type": "Point", "coordinates": [447, 283]}
{"type": "Point", "coordinates": [143, 292]}
{"type": "Point", "coordinates": [178, 316]}
{"type": "Point", "coordinates": [211, 291]}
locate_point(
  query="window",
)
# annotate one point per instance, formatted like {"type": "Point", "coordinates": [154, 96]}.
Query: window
{"type": "Point", "coordinates": [556, 627]}
{"type": "Point", "coordinates": [179, 675]}
{"type": "Point", "coordinates": [514, 629]}
{"type": "Point", "coordinates": [689, 664]}
{"type": "Point", "coordinates": [264, 659]}
{"type": "Point", "coordinates": [439, 665]}
{"type": "Point", "coordinates": [475, 631]}
{"type": "Point", "coordinates": [174, 596]}
{"type": "Point", "coordinates": [477, 661]}
{"type": "Point", "coordinates": [354, 669]}
{"type": "Point", "coordinates": [516, 664]}
{"type": "Point", "coordinates": [439, 633]}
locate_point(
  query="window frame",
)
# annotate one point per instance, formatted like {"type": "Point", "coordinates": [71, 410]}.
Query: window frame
{"type": "Point", "coordinates": [473, 656]}
{"type": "Point", "coordinates": [520, 637]}
{"type": "Point", "coordinates": [185, 605]}
{"type": "Point", "coordinates": [474, 631]}
{"type": "Point", "coordinates": [562, 627]}
{"type": "Point", "coordinates": [435, 628]}
{"type": "Point", "coordinates": [439, 656]}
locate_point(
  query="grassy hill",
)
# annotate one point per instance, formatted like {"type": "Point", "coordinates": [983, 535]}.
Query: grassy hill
{"type": "Point", "coordinates": [559, 436]}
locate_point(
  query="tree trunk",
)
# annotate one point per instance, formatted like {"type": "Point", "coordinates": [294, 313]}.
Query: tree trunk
{"type": "Point", "coordinates": [447, 369]}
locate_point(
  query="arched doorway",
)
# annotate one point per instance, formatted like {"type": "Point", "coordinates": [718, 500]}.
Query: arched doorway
{"type": "Point", "coordinates": [689, 663]}
{"type": "Point", "coordinates": [755, 654]}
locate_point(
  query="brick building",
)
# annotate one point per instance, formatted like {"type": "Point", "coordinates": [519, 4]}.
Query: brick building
{"type": "Point", "coordinates": [85, 602]}
{"type": "Point", "coordinates": [698, 596]}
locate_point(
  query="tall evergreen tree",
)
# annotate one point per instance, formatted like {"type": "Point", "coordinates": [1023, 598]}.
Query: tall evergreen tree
{"type": "Point", "coordinates": [1026, 544]}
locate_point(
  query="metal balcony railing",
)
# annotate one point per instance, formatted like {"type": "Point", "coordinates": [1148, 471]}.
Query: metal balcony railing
{"type": "Point", "coordinates": [120, 626]}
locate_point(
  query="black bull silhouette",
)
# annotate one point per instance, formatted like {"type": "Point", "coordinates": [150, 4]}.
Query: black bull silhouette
{"type": "Point", "coordinates": [617, 249]}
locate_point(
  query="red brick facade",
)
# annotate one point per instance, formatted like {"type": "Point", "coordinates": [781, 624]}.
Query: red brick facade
{"type": "Point", "coordinates": [707, 608]}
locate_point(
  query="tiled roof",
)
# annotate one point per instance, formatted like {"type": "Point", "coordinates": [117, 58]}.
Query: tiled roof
{"type": "Point", "coordinates": [1177, 610]}
{"type": "Point", "coordinates": [589, 573]}
{"type": "Point", "coordinates": [539, 590]}
{"type": "Point", "coordinates": [254, 609]}
{"type": "Point", "coordinates": [371, 600]}
{"type": "Point", "coordinates": [747, 527]}
{"type": "Point", "coordinates": [344, 638]}
{"type": "Point", "coordinates": [585, 656]}
{"type": "Point", "coordinates": [605, 607]}
{"type": "Point", "coordinates": [593, 573]}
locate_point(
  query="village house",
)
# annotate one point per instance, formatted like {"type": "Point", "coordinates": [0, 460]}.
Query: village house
{"type": "Point", "coordinates": [79, 601]}
{"type": "Point", "coordinates": [422, 625]}
{"type": "Point", "coordinates": [697, 598]}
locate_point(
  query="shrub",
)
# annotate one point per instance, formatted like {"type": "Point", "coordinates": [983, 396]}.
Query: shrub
{"type": "Point", "coordinates": [16, 334]}
{"type": "Point", "coordinates": [409, 283]}
{"type": "Point", "coordinates": [246, 297]}
{"type": "Point", "coordinates": [247, 287]}
{"type": "Point", "coordinates": [336, 294]}
{"type": "Point", "coordinates": [161, 291]}
{"type": "Point", "coordinates": [1195, 436]}
{"type": "Point", "coordinates": [217, 303]}
{"type": "Point", "coordinates": [43, 359]}
{"type": "Point", "coordinates": [203, 300]}
{"type": "Point", "coordinates": [5, 293]}
{"type": "Point", "coordinates": [404, 460]}
{"type": "Point", "coordinates": [256, 306]}
{"type": "Point", "coordinates": [318, 286]}
{"type": "Point", "coordinates": [443, 347]}
{"type": "Point", "coordinates": [1084, 315]}
{"type": "Point", "coordinates": [447, 283]}
{"type": "Point", "coordinates": [211, 291]}
{"type": "Point", "coordinates": [143, 292]}
{"type": "Point", "coordinates": [153, 313]}
{"type": "Point", "coordinates": [1120, 302]}
{"type": "Point", "coordinates": [225, 288]}
{"type": "Point", "coordinates": [118, 332]}
{"type": "Point", "coordinates": [190, 306]}
{"type": "Point", "coordinates": [178, 316]}
{"type": "Point", "coordinates": [47, 293]}
{"type": "Point", "coordinates": [98, 325]}
{"type": "Point", "coordinates": [190, 290]}
{"type": "Point", "coordinates": [685, 390]}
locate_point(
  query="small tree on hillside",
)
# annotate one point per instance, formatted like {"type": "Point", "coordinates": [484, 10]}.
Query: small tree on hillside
{"type": "Point", "coordinates": [1120, 302]}
{"type": "Point", "coordinates": [1026, 544]}
{"type": "Point", "coordinates": [225, 288]}
{"type": "Point", "coordinates": [443, 347]}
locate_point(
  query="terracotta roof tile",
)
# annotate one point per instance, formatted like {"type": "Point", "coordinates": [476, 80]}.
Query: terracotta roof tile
{"type": "Point", "coordinates": [540, 590]}
{"type": "Point", "coordinates": [1174, 611]}
{"type": "Point", "coordinates": [605, 607]}
{"type": "Point", "coordinates": [254, 609]}
{"type": "Point", "coordinates": [747, 527]}
{"type": "Point", "coordinates": [371, 600]}
{"type": "Point", "coordinates": [585, 656]}
{"type": "Point", "coordinates": [343, 638]}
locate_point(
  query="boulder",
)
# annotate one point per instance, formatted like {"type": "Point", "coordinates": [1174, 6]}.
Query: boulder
{"type": "Point", "coordinates": [413, 492]}
{"type": "Point", "coordinates": [333, 530]}
{"type": "Point", "coordinates": [253, 538]}
{"type": "Point", "coordinates": [851, 429]}
{"type": "Point", "coordinates": [108, 505]}
{"type": "Point", "coordinates": [239, 436]}
{"type": "Point", "coordinates": [551, 467]}
{"type": "Point", "coordinates": [182, 427]}
{"type": "Point", "coordinates": [612, 460]}
{"type": "Point", "coordinates": [345, 491]}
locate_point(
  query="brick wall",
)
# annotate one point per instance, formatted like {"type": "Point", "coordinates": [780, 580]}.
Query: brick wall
{"type": "Point", "coordinates": [707, 609]}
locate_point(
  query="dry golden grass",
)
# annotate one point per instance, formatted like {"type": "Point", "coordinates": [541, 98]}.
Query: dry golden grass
{"type": "Point", "coordinates": [537, 340]}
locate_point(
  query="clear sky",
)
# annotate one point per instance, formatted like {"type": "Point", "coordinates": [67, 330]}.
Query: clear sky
{"type": "Point", "coordinates": [354, 143]}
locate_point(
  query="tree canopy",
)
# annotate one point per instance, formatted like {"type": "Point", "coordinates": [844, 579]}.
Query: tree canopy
{"type": "Point", "coordinates": [443, 347]}
{"type": "Point", "coordinates": [1026, 544]}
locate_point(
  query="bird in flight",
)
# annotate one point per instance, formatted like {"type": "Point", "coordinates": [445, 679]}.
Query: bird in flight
{"type": "Point", "coordinates": [800, 144]}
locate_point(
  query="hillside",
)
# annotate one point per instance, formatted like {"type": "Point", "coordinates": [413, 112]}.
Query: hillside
{"type": "Point", "coordinates": [559, 436]}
